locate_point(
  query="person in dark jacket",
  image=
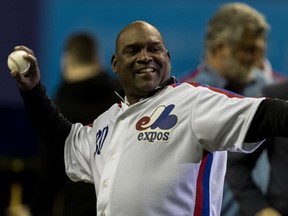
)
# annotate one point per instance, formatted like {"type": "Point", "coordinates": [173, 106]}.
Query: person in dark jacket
{"type": "Point", "coordinates": [272, 201]}
{"type": "Point", "coordinates": [85, 91]}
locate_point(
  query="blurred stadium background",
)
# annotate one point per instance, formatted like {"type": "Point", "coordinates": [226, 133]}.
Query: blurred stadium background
{"type": "Point", "coordinates": [44, 25]}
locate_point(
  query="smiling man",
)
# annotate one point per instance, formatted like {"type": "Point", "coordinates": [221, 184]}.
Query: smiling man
{"type": "Point", "coordinates": [141, 60]}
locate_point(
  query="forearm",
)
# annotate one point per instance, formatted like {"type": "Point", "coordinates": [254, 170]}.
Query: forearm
{"type": "Point", "coordinates": [45, 117]}
{"type": "Point", "coordinates": [270, 120]}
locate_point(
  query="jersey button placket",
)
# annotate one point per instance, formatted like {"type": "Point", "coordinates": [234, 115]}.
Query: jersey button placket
{"type": "Point", "coordinates": [108, 176]}
{"type": "Point", "coordinates": [113, 156]}
{"type": "Point", "coordinates": [105, 184]}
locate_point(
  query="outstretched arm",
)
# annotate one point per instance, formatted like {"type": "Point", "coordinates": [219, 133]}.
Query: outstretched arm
{"type": "Point", "coordinates": [44, 115]}
{"type": "Point", "coordinates": [270, 120]}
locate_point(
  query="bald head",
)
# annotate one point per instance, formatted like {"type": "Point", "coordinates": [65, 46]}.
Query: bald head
{"type": "Point", "coordinates": [136, 25]}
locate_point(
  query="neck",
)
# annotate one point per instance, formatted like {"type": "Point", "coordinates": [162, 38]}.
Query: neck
{"type": "Point", "coordinates": [134, 99]}
{"type": "Point", "coordinates": [79, 73]}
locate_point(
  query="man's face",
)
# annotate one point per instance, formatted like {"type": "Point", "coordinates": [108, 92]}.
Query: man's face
{"type": "Point", "coordinates": [141, 60]}
{"type": "Point", "coordinates": [243, 57]}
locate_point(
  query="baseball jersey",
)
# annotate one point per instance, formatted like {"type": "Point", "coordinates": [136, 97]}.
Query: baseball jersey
{"type": "Point", "coordinates": [165, 155]}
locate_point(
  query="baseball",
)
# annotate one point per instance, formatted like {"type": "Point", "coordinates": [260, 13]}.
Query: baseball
{"type": "Point", "coordinates": [16, 62]}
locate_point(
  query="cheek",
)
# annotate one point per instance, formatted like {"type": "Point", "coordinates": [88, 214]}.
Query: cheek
{"type": "Point", "coordinates": [164, 62]}
{"type": "Point", "coordinates": [167, 71]}
{"type": "Point", "coordinates": [227, 56]}
{"type": "Point", "coordinates": [125, 77]}
{"type": "Point", "coordinates": [239, 57]}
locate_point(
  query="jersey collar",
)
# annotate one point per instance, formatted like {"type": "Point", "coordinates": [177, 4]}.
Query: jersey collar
{"type": "Point", "coordinates": [171, 80]}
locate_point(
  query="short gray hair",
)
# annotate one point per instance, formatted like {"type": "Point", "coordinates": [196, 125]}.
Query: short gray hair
{"type": "Point", "coordinates": [231, 21]}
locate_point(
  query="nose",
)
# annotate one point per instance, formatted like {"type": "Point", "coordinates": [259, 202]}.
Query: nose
{"type": "Point", "coordinates": [253, 57]}
{"type": "Point", "coordinates": [256, 54]}
{"type": "Point", "coordinates": [144, 56]}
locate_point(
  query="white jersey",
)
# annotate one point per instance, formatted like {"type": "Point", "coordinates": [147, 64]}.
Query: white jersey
{"type": "Point", "coordinates": [164, 155]}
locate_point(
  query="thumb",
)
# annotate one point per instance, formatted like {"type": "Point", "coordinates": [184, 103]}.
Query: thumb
{"type": "Point", "coordinates": [14, 73]}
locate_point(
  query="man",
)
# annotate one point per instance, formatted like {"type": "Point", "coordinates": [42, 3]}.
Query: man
{"type": "Point", "coordinates": [235, 60]}
{"type": "Point", "coordinates": [161, 150]}
{"type": "Point", "coordinates": [235, 49]}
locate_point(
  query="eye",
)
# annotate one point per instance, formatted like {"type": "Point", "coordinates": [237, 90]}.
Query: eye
{"type": "Point", "coordinates": [154, 49]}
{"type": "Point", "coordinates": [131, 51]}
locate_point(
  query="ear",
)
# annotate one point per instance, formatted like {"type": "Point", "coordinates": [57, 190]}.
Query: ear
{"type": "Point", "coordinates": [114, 63]}
{"type": "Point", "coordinates": [168, 53]}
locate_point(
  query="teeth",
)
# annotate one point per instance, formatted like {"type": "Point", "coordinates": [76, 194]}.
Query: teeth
{"type": "Point", "coordinates": [144, 70]}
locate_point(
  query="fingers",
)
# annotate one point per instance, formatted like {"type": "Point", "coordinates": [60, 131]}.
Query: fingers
{"type": "Point", "coordinates": [30, 57]}
{"type": "Point", "coordinates": [21, 47]}
{"type": "Point", "coordinates": [14, 73]}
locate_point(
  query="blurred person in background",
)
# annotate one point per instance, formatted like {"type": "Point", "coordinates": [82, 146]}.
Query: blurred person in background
{"type": "Point", "coordinates": [86, 90]}
{"type": "Point", "coordinates": [277, 90]}
{"type": "Point", "coordinates": [235, 60]}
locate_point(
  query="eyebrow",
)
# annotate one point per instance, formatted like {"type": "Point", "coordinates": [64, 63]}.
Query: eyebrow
{"type": "Point", "coordinates": [140, 43]}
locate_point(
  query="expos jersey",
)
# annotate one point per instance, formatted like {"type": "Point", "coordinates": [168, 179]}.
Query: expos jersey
{"type": "Point", "coordinates": [162, 155]}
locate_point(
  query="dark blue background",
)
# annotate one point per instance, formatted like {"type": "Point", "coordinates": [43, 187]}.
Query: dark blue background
{"type": "Point", "coordinates": [181, 22]}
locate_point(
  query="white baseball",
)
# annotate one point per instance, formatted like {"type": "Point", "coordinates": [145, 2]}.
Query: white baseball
{"type": "Point", "coordinates": [17, 63]}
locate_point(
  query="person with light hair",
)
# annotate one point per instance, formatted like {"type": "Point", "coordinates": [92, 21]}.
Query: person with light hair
{"type": "Point", "coordinates": [235, 60]}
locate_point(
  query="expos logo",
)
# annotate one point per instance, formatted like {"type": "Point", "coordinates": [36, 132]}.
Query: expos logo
{"type": "Point", "coordinates": [157, 127]}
